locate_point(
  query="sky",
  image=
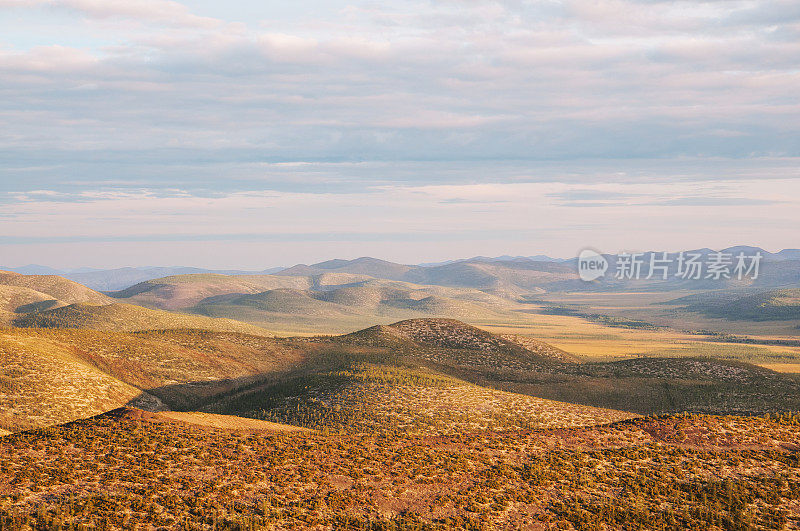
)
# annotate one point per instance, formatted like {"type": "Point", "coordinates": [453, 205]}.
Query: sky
{"type": "Point", "coordinates": [253, 134]}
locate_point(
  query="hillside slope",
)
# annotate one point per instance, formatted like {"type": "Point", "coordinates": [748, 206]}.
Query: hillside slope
{"type": "Point", "coordinates": [427, 375]}
{"type": "Point", "coordinates": [47, 301]}
{"type": "Point", "coordinates": [56, 287]}
{"type": "Point", "coordinates": [15, 300]}
{"type": "Point", "coordinates": [330, 301]}
{"type": "Point", "coordinates": [433, 375]}
{"type": "Point", "coordinates": [184, 291]}
{"type": "Point", "coordinates": [126, 317]}
{"type": "Point", "coordinates": [397, 398]}
{"type": "Point", "coordinates": [44, 382]}
{"type": "Point", "coordinates": [682, 472]}
{"type": "Point", "coordinates": [21, 294]}
{"type": "Point", "coordinates": [502, 277]}
{"type": "Point", "coordinates": [51, 376]}
{"type": "Point", "coordinates": [771, 305]}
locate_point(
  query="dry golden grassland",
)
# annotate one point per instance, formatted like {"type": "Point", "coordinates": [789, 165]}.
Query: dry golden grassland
{"type": "Point", "coordinates": [129, 470]}
{"type": "Point", "coordinates": [53, 376]}
{"type": "Point", "coordinates": [592, 341]}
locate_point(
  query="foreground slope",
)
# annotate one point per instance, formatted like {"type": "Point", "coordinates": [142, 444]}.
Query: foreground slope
{"type": "Point", "coordinates": [44, 382]}
{"type": "Point", "coordinates": [685, 472]}
{"type": "Point", "coordinates": [52, 376]}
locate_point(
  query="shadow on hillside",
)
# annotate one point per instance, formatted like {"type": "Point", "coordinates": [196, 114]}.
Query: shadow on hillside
{"type": "Point", "coordinates": [654, 386]}
{"type": "Point", "coordinates": [194, 396]}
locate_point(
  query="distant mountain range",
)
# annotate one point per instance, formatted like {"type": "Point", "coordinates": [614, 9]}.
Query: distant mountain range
{"type": "Point", "coordinates": [123, 277]}
{"type": "Point", "coordinates": [503, 275]}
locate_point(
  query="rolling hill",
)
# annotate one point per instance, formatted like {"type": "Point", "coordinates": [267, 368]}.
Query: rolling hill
{"type": "Point", "coordinates": [21, 294]}
{"type": "Point", "coordinates": [429, 375]}
{"type": "Point", "coordinates": [772, 305]}
{"type": "Point", "coordinates": [43, 382]}
{"type": "Point", "coordinates": [124, 277]}
{"type": "Point", "coordinates": [643, 385]}
{"type": "Point", "coordinates": [415, 422]}
{"type": "Point", "coordinates": [126, 317]}
{"type": "Point", "coordinates": [57, 288]}
{"type": "Point", "coordinates": [16, 299]}
{"type": "Point", "coordinates": [513, 277]}
{"type": "Point", "coordinates": [373, 298]}
{"type": "Point", "coordinates": [52, 376]}
{"type": "Point", "coordinates": [323, 303]}
{"type": "Point", "coordinates": [47, 301]}
{"type": "Point", "coordinates": [371, 267]}
{"type": "Point", "coordinates": [184, 291]}
{"type": "Point", "coordinates": [440, 376]}
{"type": "Point", "coordinates": [507, 278]}
{"type": "Point", "coordinates": [397, 398]}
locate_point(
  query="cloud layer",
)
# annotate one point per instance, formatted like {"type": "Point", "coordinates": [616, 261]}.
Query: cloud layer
{"type": "Point", "coordinates": [129, 103]}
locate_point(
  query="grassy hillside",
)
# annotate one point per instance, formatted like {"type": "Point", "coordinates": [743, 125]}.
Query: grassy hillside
{"type": "Point", "coordinates": [50, 376]}
{"type": "Point", "coordinates": [183, 291]}
{"type": "Point", "coordinates": [46, 301]}
{"type": "Point", "coordinates": [398, 398]}
{"type": "Point", "coordinates": [420, 374]}
{"type": "Point", "coordinates": [209, 420]}
{"type": "Point", "coordinates": [666, 385]}
{"type": "Point", "coordinates": [328, 302]}
{"type": "Point", "coordinates": [55, 287]}
{"type": "Point", "coordinates": [44, 382]}
{"type": "Point", "coordinates": [682, 472]}
{"type": "Point", "coordinates": [21, 294]}
{"type": "Point", "coordinates": [504, 277]}
{"type": "Point", "coordinates": [773, 305]}
{"type": "Point", "coordinates": [126, 317]}
{"type": "Point", "coordinates": [368, 300]}
{"type": "Point", "coordinates": [15, 300]}
{"type": "Point", "coordinates": [435, 375]}
{"type": "Point", "coordinates": [451, 344]}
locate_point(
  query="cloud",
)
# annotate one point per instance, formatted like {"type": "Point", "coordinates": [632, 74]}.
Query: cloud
{"type": "Point", "coordinates": [345, 102]}
{"type": "Point", "coordinates": [715, 201]}
{"type": "Point", "coordinates": [158, 11]}
{"type": "Point", "coordinates": [512, 86]}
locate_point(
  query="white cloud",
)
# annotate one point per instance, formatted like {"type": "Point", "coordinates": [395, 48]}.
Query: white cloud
{"type": "Point", "coordinates": [139, 93]}
{"type": "Point", "coordinates": [159, 11]}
